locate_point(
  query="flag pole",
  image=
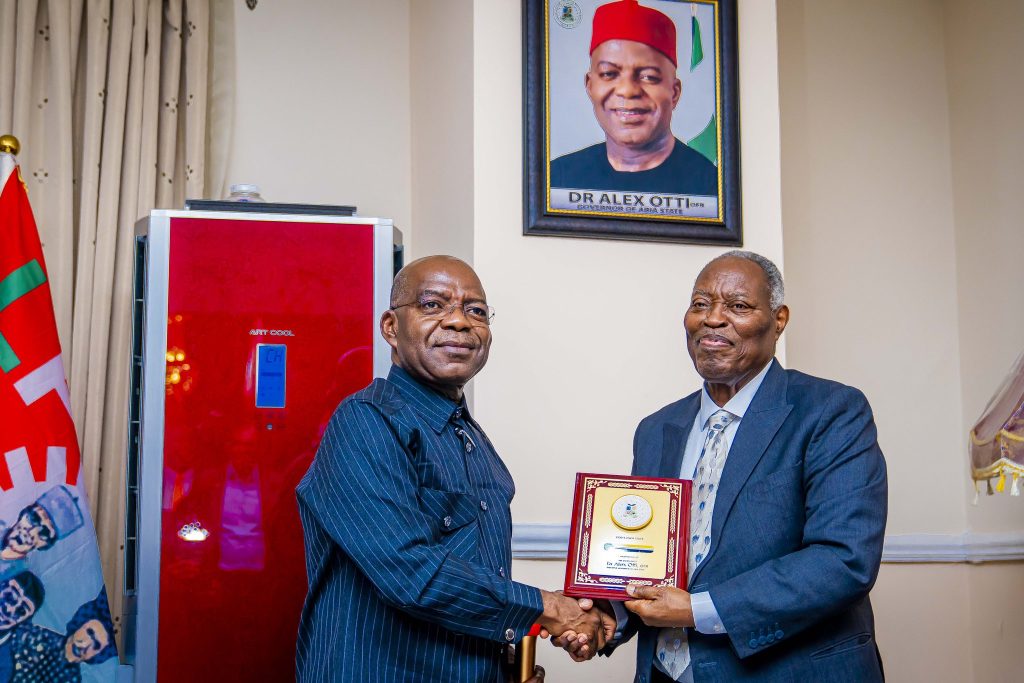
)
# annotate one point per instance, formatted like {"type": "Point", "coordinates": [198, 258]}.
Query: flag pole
{"type": "Point", "coordinates": [526, 654]}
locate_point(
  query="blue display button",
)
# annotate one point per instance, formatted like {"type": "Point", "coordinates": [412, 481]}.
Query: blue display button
{"type": "Point", "coordinates": [271, 362]}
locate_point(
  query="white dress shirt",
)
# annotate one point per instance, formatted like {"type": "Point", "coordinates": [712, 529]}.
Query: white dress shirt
{"type": "Point", "coordinates": [705, 616]}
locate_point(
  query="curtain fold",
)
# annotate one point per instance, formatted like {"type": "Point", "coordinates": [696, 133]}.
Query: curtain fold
{"type": "Point", "coordinates": [109, 101]}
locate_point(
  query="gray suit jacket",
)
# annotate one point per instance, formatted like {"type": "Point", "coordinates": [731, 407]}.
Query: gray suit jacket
{"type": "Point", "coordinates": [796, 535]}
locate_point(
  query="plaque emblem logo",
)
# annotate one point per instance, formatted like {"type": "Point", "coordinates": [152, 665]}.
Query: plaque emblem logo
{"type": "Point", "coordinates": [632, 512]}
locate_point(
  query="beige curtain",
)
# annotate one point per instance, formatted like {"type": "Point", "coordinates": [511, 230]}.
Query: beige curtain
{"type": "Point", "coordinates": [109, 100]}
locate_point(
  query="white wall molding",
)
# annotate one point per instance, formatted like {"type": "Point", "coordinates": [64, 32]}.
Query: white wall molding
{"type": "Point", "coordinates": [540, 541]}
{"type": "Point", "coordinates": [965, 547]}
{"type": "Point", "coordinates": [550, 541]}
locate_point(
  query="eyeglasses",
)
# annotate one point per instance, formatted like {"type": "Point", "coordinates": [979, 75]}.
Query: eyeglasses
{"type": "Point", "coordinates": [435, 309]}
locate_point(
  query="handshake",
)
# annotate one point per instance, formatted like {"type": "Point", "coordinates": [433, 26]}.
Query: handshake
{"type": "Point", "coordinates": [579, 626]}
{"type": "Point", "coordinates": [583, 627]}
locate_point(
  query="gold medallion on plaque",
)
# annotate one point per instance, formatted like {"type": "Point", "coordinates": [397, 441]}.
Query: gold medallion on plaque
{"type": "Point", "coordinates": [632, 512]}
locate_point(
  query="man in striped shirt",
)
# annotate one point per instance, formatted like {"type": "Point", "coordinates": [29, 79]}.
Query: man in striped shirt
{"type": "Point", "coordinates": [406, 514]}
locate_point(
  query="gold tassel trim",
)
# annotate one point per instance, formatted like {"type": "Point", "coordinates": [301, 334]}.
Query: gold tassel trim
{"type": "Point", "coordinates": [1002, 432]}
{"type": "Point", "coordinates": [998, 467]}
{"type": "Point", "coordinates": [999, 471]}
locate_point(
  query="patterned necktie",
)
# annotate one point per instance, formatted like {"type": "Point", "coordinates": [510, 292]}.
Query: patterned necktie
{"type": "Point", "coordinates": [673, 650]}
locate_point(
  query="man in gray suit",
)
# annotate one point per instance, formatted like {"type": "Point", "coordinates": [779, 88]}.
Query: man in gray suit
{"type": "Point", "coordinates": [788, 510]}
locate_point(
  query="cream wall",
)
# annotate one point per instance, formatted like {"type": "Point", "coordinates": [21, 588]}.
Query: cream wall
{"type": "Point", "coordinates": [441, 101]}
{"type": "Point", "coordinates": [950, 623]}
{"type": "Point", "coordinates": [322, 109]}
{"type": "Point", "coordinates": [919, 610]}
{"type": "Point", "coordinates": [984, 53]}
{"type": "Point", "coordinates": [869, 239]}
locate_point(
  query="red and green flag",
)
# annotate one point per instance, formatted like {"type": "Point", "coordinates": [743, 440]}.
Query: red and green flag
{"type": "Point", "coordinates": [51, 585]}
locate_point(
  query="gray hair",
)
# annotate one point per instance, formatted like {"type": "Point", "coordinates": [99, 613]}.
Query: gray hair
{"type": "Point", "coordinates": [776, 288]}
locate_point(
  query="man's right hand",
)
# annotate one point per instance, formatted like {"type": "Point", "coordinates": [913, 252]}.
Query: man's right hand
{"type": "Point", "coordinates": [575, 625]}
{"type": "Point", "coordinates": [564, 615]}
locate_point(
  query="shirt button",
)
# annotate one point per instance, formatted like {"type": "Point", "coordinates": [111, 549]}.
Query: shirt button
{"type": "Point", "coordinates": [447, 521]}
{"type": "Point", "coordinates": [483, 505]}
{"type": "Point", "coordinates": [501, 571]}
{"type": "Point", "coordinates": [510, 635]}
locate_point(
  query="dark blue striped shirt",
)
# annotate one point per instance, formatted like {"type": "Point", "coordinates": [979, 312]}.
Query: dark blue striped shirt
{"type": "Point", "coordinates": [405, 511]}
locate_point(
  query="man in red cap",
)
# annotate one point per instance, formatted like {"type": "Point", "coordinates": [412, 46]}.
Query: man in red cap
{"type": "Point", "coordinates": [633, 86]}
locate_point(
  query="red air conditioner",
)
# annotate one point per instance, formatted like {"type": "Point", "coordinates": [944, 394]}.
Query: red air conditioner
{"type": "Point", "coordinates": [249, 329]}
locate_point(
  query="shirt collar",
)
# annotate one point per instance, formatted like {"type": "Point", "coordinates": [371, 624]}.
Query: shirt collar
{"type": "Point", "coordinates": [435, 408]}
{"type": "Point", "coordinates": [738, 404]}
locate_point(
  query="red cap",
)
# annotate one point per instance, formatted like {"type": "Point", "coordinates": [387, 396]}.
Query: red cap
{"type": "Point", "coordinates": [628, 20]}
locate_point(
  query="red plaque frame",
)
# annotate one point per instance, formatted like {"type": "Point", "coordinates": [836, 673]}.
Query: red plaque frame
{"type": "Point", "coordinates": [580, 581]}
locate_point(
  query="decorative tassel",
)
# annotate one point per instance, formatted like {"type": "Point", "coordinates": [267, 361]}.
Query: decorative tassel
{"type": "Point", "coordinates": [988, 487]}
{"type": "Point", "coordinates": [976, 492]}
{"type": "Point", "coordinates": [1001, 484]}
{"type": "Point", "coordinates": [1015, 487]}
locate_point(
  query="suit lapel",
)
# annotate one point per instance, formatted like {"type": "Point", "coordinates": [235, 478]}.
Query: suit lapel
{"type": "Point", "coordinates": [674, 437]}
{"type": "Point", "coordinates": [762, 420]}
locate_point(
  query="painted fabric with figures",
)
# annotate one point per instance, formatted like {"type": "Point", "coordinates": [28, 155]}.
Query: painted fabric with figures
{"type": "Point", "coordinates": [55, 622]}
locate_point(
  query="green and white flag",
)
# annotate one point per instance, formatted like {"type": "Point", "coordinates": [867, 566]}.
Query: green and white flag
{"type": "Point", "coordinates": [706, 142]}
{"type": "Point", "coordinates": [696, 48]}
{"type": "Point", "coordinates": [699, 97]}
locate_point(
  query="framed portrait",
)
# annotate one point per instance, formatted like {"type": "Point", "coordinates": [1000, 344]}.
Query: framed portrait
{"type": "Point", "coordinates": [631, 121]}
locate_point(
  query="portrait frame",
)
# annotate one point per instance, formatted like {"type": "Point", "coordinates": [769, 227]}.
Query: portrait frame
{"type": "Point", "coordinates": [554, 122]}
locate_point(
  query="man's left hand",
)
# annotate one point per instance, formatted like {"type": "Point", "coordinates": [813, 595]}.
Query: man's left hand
{"type": "Point", "coordinates": [660, 606]}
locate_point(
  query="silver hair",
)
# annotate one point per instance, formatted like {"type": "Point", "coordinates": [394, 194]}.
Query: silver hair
{"type": "Point", "coordinates": [776, 288]}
